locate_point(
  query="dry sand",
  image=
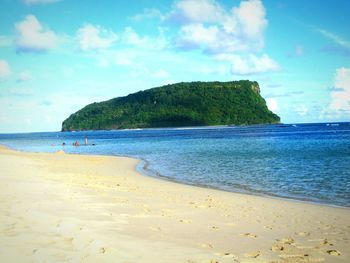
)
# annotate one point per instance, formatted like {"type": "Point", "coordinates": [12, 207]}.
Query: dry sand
{"type": "Point", "coordinates": [71, 208]}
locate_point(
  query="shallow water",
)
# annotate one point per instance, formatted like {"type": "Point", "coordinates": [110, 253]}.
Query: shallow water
{"type": "Point", "coordinates": [309, 162]}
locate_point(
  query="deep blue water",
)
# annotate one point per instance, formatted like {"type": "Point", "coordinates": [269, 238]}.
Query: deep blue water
{"type": "Point", "coordinates": [309, 162]}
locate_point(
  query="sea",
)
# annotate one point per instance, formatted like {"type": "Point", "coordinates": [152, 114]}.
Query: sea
{"type": "Point", "coordinates": [305, 162]}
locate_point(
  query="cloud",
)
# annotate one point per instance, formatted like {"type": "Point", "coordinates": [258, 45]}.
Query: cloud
{"type": "Point", "coordinates": [251, 17]}
{"type": "Point", "coordinates": [197, 11]}
{"type": "Point", "coordinates": [335, 38]}
{"type": "Point", "coordinates": [205, 24]}
{"type": "Point", "coordinates": [340, 96]}
{"type": "Point", "coordinates": [148, 13]}
{"type": "Point", "coordinates": [31, 36]}
{"type": "Point", "coordinates": [5, 69]}
{"type": "Point", "coordinates": [272, 104]}
{"type": "Point", "coordinates": [24, 76]}
{"type": "Point", "coordinates": [131, 37]}
{"type": "Point", "coordinates": [339, 105]}
{"type": "Point", "coordinates": [251, 64]}
{"type": "Point", "coordinates": [334, 89]}
{"type": "Point", "coordinates": [199, 36]}
{"type": "Point", "coordinates": [35, 2]}
{"type": "Point", "coordinates": [233, 35]}
{"type": "Point", "coordinates": [92, 37]}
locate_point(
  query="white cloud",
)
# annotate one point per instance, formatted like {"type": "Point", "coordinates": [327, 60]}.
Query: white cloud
{"type": "Point", "coordinates": [24, 76]}
{"type": "Point", "coordinates": [339, 105]}
{"type": "Point", "coordinates": [337, 39]}
{"type": "Point", "coordinates": [131, 37]}
{"type": "Point", "coordinates": [340, 96]}
{"type": "Point", "coordinates": [272, 104]}
{"type": "Point", "coordinates": [251, 17]}
{"type": "Point", "coordinates": [206, 25]}
{"type": "Point", "coordinates": [250, 64]}
{"type": "Point", "coordinates": [197, 11]}
{"type": "Point", "coordinates": [197, 35]}
{"type": "Point", "coordinates": [33, 37]}
{"type": "Point", "coordinates": [92, 37]}
{"type": "Point", "coordinates": [147, 14]}
{"type": "Point", "coordinates": [5, 69]}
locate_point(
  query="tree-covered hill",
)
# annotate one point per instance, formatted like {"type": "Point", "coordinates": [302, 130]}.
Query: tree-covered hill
{"type": "Point", "coordinates": [176, 105]}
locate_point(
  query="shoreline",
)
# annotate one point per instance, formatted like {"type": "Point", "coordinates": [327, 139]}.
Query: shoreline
{"type": "Point", "coordinates": [99, 208]}
{"type": "Point", "coordinates": [156, 175]}
{"type": "Point", "coordinates": [144, 171]}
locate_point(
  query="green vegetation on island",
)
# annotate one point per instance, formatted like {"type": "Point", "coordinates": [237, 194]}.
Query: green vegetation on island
{"type": "Point", "coordinates": [177, 105]}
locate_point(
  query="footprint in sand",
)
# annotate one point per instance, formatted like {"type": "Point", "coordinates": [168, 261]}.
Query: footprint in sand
{"type": "Point", "coordinates": [277, 247]}
{"type": "Point", "coordinates": [253, 254]}
{"type": "Point", "coordinates": [287, 241]}
{"type": "Point", "coordinates": [333, 252]}
{"type": "Point", "coordinates": [294, 257]}
{"type": "Point", "coordinates": [229, 255]}
{"type": "Point", "coordinates": [206, 245]}
{"type": "Point", "coordinates": [249, 235]}
{"type": "Point", "coordinates": [326, 242]}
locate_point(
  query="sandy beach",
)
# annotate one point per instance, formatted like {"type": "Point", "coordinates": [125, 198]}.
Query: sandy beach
{"type": "Point", "coordinates": [74, 208]}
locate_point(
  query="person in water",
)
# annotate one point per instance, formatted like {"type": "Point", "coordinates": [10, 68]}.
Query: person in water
{"type": "Point", "coordinates": [86, 140]}
{"type": "Point", "coordinates": [76, 143]}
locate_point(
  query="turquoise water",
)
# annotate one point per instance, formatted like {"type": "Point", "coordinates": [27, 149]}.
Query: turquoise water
{"type": "Point", "coordinates": [309, 162]}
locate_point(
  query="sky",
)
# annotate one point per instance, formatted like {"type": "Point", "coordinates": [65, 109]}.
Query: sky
{"type": "Point", "coordinates": [56, 56]}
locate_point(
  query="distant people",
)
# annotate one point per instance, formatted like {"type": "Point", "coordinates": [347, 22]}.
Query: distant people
{"type": "Point", "coordinates": [86, 140]}
{"type": "Point", "coordinates": [63, 143]}
{"type": "Point", "coordinates": [76, 143]}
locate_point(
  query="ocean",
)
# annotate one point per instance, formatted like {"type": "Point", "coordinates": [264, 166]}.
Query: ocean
{"type": "Point", "coordinates": [306, 162]}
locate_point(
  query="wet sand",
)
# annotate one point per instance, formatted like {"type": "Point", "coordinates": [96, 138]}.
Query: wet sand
{"type": "Point", "coordinates": [74, 208]}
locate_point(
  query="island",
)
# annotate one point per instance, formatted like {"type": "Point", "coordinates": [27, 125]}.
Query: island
{"type": "Point", "coordinates": [177, 105]}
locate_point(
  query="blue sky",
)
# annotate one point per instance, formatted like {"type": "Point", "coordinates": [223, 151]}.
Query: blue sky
{"type": "Point", "coordinates": [56, 56]}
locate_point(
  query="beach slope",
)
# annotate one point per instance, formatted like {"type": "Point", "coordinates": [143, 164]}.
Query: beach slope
{"type": "Point", "coordinates": [74, 208]}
